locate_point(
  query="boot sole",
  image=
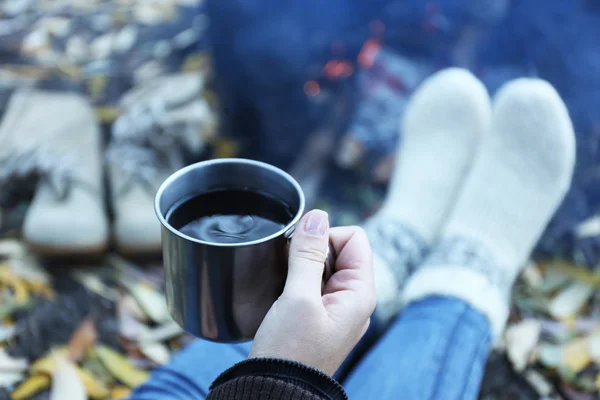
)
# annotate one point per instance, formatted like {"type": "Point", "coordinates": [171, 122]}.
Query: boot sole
{"type": "Point", "coordinates": [139, 251]}
{"type": "Point", "coordinates": [61, 252]}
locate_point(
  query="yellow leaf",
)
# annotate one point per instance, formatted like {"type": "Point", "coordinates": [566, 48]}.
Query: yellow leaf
{"type": "Point", "coordinates": [47, 365]}
{"type": "Point", "coordinates": [598, 381]}
{"type": "Point", "coordinates": [151, 301]}
{"type": "Point", "coordinates": [576, 355]}
{"type": "Point", "coordinates": [93, 387]}
{"type": "Point", "coordinates": [8, 278]}
{"type": "Point", "coordinates": [41, 289]}
{"type": "Point", "coordinates": [31, 386]}
{"type": "Point", "coordinates": [573, 271]}
{"type": "Point", "coordinates": [120, 392]}
{"type": "Point", "coordinates": [120, 367]}
{"type": "Point", "coordinates": [226, 148]}
{"type": "Point", "coordinates": [107, 114]}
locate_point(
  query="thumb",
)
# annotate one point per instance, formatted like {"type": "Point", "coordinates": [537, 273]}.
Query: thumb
{"type": "Point", "coordinates": [308, 251]}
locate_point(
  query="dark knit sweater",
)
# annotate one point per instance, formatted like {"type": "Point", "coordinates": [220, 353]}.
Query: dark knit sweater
{"type": "Point", "coordinates": [273, 379]}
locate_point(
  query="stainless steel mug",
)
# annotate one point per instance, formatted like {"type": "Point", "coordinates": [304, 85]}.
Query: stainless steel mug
{"type": "Point", "coordinates": [222, 291]}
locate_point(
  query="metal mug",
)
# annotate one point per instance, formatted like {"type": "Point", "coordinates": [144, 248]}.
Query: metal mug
{"type": "Point", "coordinates": [222, 291]}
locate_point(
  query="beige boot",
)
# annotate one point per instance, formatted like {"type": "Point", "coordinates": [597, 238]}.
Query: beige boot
{"type": "Point", "coordinates": [56, 135]}
{"type": "Point", "coordinates": [158, 121]}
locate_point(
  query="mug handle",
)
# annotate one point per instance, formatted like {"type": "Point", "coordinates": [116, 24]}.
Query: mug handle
{"type": "Point", "coordinates": [329, 268]}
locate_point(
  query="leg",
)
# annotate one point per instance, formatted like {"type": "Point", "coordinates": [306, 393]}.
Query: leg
{"type": "Point", "coordinates": [190, 373]}
{"type": "Point", "coordinates": [459, 297]}
{"type": "Point", "coordinates": [420, 197]}
{"type": "Point", "coordinates": [441, 131]}
{"type": "Point", "coordinates": [437, 347]}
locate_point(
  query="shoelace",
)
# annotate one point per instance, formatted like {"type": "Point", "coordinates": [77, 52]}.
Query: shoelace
{"type": "Point", "coordinates": [57, 171]}
{"type": "Point", "coordinates": [141, 144]}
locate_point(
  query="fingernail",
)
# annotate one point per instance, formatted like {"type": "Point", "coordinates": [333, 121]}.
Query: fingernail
{"type": "Point", "coordinates": [317, 223]}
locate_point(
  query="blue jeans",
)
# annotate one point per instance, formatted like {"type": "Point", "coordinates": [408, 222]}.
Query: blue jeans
{"type": "Point", "coordinates": [436, 349]}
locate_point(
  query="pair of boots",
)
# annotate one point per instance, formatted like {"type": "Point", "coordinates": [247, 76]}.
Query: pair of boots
{"type": "Point", "coordinates": [57, 136]}
{"type": "Point", "coordinates": [475, 184]}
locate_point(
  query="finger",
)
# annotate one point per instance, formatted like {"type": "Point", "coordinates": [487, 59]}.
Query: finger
{"type": "Point", "coordinates": [308, 251]}
{"type": "Point", "coordinates": [352, 247]}
{"type": "Point", "coordinates": [354, 263]}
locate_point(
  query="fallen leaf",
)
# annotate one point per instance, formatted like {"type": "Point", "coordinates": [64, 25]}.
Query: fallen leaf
{"type": "Point", "coordinates": [570, 300]}
{"type": "Point", "coordinates": [594, 347]}
{"type": "Point", "coordinates": [521, 340]}
{"type": "Point", "coordinates": [29, 268]}
{"type": "Point", "coordinates": [41, 289]}
{"type": "Point", "coordinates": [151, 301]}
{"type": "Point", "coordinates": [120, 368]}
{"type": "Point", "coordinates": [532, 275]}
{"type": "Point", "coordinates": [127, 271]}
{"type": "Point", "coordinates": [95, 285]}
{"type": "Point", "coordinates": [571, 393]}
{"type": "Point", "coordinates": [9, 364]}
{"type": "Point", "coordinates": [10, 378]}
{"type": "Point", "coordinates": [552, 281]}
{"type": "Point", "coordinates": [47, 365]}
{"type": "Point", "coordinates": [128, 303]}
{"type": "Point", "coordinates": [550, 355]}
{"type": "Point", "coordinates": [8, 310]}
{"type": "Point", "coordinates": [129, 326]}
{"type": "Point", "coordinates": [82, 340]}
{"type": "Point", "coordinates": [7, 332]}
{"type": "Point", "coordinates": [97, 369]}
{"type": "Point", "coordinates": [576, 355]}
{"type": "Point", "coordinates": [120, 392]}
{"type": "Point", "coordinates": [575, 272]}
{"type": "Point", "coordinates": [10, 248]}
{"type": "Point", "coordinates": [31, 386]}
{"type": "Point", "coordinates": [161, 333]}
{"type": "Point", "coordinates": [561, 331]}
{"type": "Point", "coordinates": [155, 351]}
{"type": "Point", "coordinates": [66, 384]}
{"type": "Point", "coordinates": [542, 386]}
{"type": "Point", "coordinates": [8, 278]}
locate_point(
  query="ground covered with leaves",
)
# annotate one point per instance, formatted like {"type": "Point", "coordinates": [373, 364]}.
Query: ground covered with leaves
{"type": "Point", "coordinates": [100, 329]}
{"type": "Point", "coordinates": [94, 329]}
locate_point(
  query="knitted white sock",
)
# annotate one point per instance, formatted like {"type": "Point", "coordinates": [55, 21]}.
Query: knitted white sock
{"type": "Point", "coordinates": [519, 177]}
{"type": "Point", "coordinates": [441, 130]}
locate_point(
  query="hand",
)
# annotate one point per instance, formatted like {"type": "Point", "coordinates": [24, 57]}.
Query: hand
{"type": "Point", "coordinates": [314, 328]}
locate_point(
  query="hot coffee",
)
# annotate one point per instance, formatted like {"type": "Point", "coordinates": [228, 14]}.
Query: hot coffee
{"type": "Point", "coordinates": [230, 216]}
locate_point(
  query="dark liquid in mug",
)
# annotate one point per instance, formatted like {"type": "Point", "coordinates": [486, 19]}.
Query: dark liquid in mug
{"type": "Point", "coordinates": [230, 216]}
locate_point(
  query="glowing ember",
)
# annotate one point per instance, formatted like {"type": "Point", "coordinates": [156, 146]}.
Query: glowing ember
{"type": "Point", "coordinates": [344, 69]}
{"type": "Point", "coordinates": [367, 54]}
{"type": "Point", "coordinates": [330, 69]}
{"type": "Point", "coordinates": [312, 88]}
{"type": "Point", "coordinates": [338, 69]}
